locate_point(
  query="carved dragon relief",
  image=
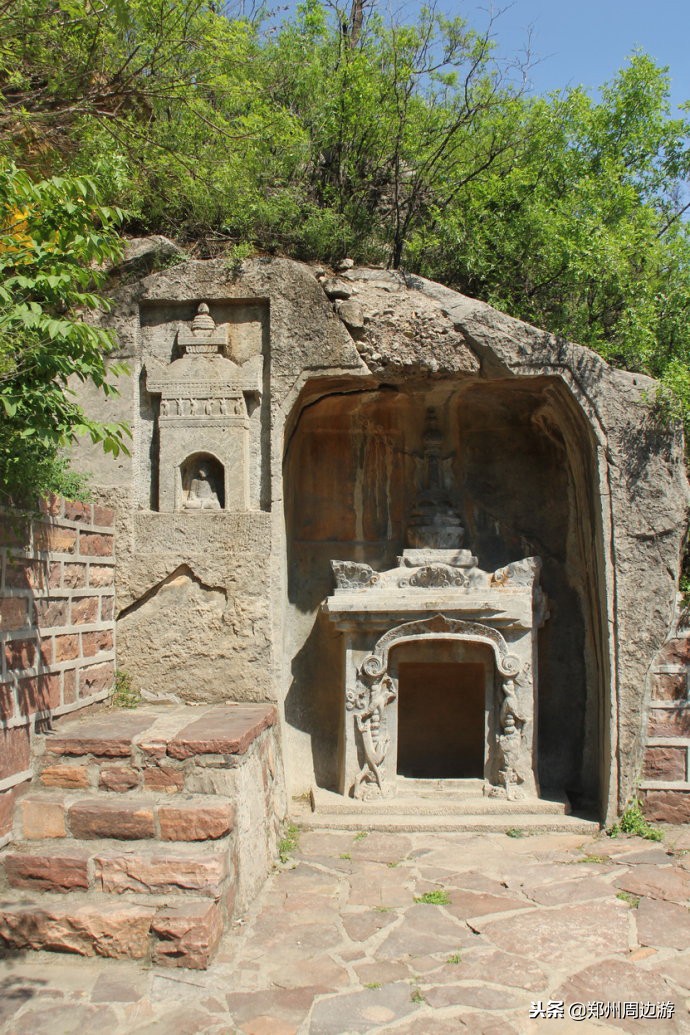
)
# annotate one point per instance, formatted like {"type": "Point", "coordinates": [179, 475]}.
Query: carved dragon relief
{"type": "Point", "coordinates": [371, 725]}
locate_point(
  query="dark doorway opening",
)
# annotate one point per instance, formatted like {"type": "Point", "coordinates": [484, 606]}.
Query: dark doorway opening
{"type": "Point", "coordinates": [441, 720]}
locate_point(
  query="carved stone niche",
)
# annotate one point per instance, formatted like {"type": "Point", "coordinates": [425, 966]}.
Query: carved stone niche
{"type": "Point", "coordinates": [203, 422]}
{"type": "Point", "coordinates": [202, 483]}
{"type": "Point", "coordinates": [438, 653]}
{"type": "Point", "coordinates": [434, 606]}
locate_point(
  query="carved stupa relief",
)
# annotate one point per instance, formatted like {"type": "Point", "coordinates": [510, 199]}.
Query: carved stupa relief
{"type": "Point", "coordinates": [438, 594]}
{"type": "Point", "coordinates": [203, 420]}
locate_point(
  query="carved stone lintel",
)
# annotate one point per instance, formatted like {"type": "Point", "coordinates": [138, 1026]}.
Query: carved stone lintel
{"type": "Point", "coordinates": [351, 575]}
{"type": "Point", "coordinates": [434, 576]}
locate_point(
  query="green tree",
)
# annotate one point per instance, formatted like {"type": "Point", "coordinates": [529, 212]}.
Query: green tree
{"type": "Point", "coordinates": [393, 115]}
{"type": "Point", "coordinates": [54, 241]}
{"type": "Point", "coordinates": [582, 232]}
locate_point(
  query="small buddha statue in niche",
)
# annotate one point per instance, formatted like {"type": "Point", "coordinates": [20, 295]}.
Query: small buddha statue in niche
{"type": "Point", "coordinates": [202, 494]}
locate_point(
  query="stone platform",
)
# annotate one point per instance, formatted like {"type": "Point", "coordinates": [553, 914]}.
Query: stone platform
{"type": "Point", "coordinates": [441, 805]}
{"type": "Point", "coordinates": [143, 833]}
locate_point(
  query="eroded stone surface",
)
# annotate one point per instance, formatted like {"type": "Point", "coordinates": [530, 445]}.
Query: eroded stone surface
{"type": "Point", "coordinates": [120, 932]}
{"type": "Point", "coordinates": [616, 980]}
{"type": "Point", "coordinates": [192, 822]}
{"type": "Point", "coordinates": [572, 932]}
{"type": "Point", "coordinates": [663, 923]}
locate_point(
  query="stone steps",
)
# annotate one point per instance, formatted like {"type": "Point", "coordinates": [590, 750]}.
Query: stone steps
{"type": "Point", "coordinates": [179, 934]}
{"type": "Point", "coordinates": [111, 868]}
{"type": "Point", "coordinates": [130, 817]}
{"type": "Point", "coordinates": [446, 803]}
{"type": "Point", "coordinates": [520, 822]}
{"type": "Point", "coordinates": [126, 844]}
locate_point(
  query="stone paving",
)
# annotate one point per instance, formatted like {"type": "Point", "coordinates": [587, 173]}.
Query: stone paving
{"type": "Point", "coordinates": [412, 934]}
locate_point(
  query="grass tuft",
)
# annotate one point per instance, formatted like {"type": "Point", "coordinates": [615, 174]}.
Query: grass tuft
{"type": "Point", "coordinates": [434, 898]}
{"type": "Point", "coordinates": [288, 843]}
{"type": "Point", "coordinates": [633, 821]}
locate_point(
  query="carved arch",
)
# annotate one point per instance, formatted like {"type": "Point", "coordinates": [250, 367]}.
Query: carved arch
{"type": "Point", "coordinates": [438, 627]}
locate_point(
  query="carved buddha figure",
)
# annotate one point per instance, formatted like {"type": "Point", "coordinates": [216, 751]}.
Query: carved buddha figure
{"type": "Point", "coordinates": [202, 494]}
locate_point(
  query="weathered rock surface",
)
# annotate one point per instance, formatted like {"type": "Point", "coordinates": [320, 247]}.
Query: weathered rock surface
{"type": "Point", "coordinates": [556, 454]}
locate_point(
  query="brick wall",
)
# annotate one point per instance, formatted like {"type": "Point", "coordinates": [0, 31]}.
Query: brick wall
{"type": "Point", "coordinates": [665, 786]}
{"type": "Point", "coordinates": [56, 628]}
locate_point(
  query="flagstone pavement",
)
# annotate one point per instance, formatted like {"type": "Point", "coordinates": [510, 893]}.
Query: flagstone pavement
{"type": "Point", "coordinates": [412, 934]}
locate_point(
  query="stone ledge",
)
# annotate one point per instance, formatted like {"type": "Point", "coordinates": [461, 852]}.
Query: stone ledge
{"type": "Point", "coordinates": [227, 729]}
{"type": "Point", "coordinates": [665, 785]}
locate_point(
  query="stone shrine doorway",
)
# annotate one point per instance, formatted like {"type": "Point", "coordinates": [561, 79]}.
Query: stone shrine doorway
{"type": "Point", "coordinates": [443, 715]}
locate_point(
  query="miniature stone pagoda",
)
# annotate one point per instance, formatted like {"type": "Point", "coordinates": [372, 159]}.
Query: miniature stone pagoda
{"type": "Point", "coordinates": [203, 421]}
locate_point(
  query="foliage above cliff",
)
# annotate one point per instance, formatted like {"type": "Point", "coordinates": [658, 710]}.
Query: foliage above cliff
{"type": "Point", "coordinates": [341, 132]}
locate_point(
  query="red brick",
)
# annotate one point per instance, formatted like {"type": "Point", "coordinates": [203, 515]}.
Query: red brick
{"type": "Point", "coordinates": [666, 806]}
{"type": "Point", "coordinates": [46, 651]}
{"type": "Point", "coordinates": [103, 515]}
{"type": "Point", "coordinates": [192, 822]}
{"type": "Point", "coordinates": [67, 776]}
{"type": "Point", "coordinates": [51, 505]}
{"type": "Point", "coordinates": [187, 935]}
{"type": "Point", "coordinates": [15, 751]}
{"type": "Point", "coordinates": [6, 701]}
{"type": "Point", "coordinates": [163, 778]}
{"type": "Point", "coordinates": [161, 872]}
{"type": "Point", "coordinates": [101, 575]}
{"type": "Point", "coordinates": [675, 652]}
{"type": "Point", "coordinates": [107, 736]}
{"type": "Point", "coordinates": [95, 678]}
{"type": "Point", "coordinates": [95, 544]}
{"type": "Point", "coordinates": [669, 722]}
{"type": "Point", "coordinates": [26, 575]}
{"type": "Point", "coordinates": [665, 763]}
{"type": "Point", "coordinates": [84, 610]}
{"type": "Point", "coordinates": [20, 654]}
{"type": "Point", "coordinates": [127, 822]}
{"type": "Point", "coordinates": [107, 609]}
{"type": "Point", "coordinates": [74, 576]}
{"type": "Point", "coordinates": [66, 647]}
{"type": "Point", "coordinates": [42, 818]}
{"type": "Point", "coordinates": [77, 511]}
{"type": "Point", "coordinates": [95, 642]}
{"type": "Point", "coordinates": [60, 872]}
{"type": "Point", "coordinates": [14, 531]}
{"type": "Point", "coordinates": [55, 539]}
{"type": "Point", "coordinates": [69, 686]}
{"type": "Point", "coordinates": [118, 778]}
{"type": "Point", "coordinates": [116, 931]}
{"type": "Point", "coordinates": [39, 693]}
{"type": "Point", "coordinates": [224, 731]}
{"type": "Point", "coordinates": [49, 613]}
{"type": "Point", "coordinates": [670, 686]}
{"type": "Point", "coordinates": [8, 800]}
{"type": "Point", "coordinates": [14, 612]}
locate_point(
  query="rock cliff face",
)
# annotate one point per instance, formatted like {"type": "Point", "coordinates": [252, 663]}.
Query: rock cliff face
{"type": "Point", "coordinates": [546, 450]}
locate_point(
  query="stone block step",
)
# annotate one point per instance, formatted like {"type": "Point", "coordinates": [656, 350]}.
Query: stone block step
{"type": "Point", "coordinates": [410, 786]}
{"type": "Point", "coordinates": [155, 732]}
{"type": "Point", "coordinates": [51, 814]}
{"type": "Point", "coordinates": [67, 866]}
{"type": "Point", "coordinates": [183, 934]}
{"type": "Point", "coordinates": [521, 823]}
{"type": "Point", "coordinates": [447, 803]}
